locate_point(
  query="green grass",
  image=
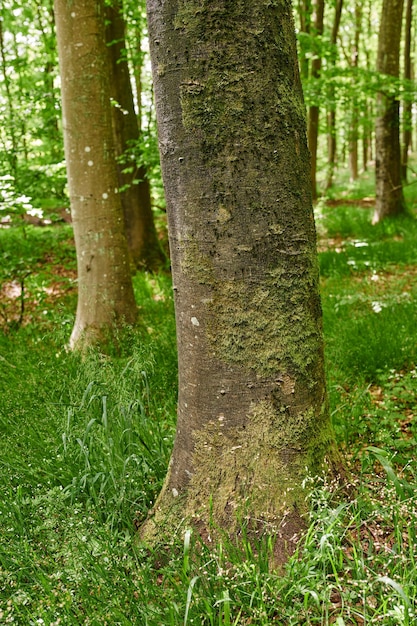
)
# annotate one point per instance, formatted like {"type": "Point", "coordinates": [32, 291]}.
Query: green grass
{"type": "Point", "coordinates": [85, 443]}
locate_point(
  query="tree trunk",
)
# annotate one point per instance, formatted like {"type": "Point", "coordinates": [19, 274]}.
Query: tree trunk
{"type": "Point", "coordinates": [252, 411]}
{"type": "Point", "coordinates": [50, 109]}
{"type": "Point", "coordinates": [314, 110]}
{"type": "Point", "coordinates": [369, 105]}
{"type": "Point", "coordinates": [407, 105]}
{"type": "Point", "coordinates": [354, 121]}
{"type": "Point", "coordinates": [389, 190]}
{"type": "Point", "coordinates": [143, 243]}
{"type": "Point", "coordinates": [105, 292]}
{"type": "Point", "coordinates": [11, 122]}
{"type": "Point", "coordinates": [331, 93]}
{"type": "Point", "coordinates": [304, 14]}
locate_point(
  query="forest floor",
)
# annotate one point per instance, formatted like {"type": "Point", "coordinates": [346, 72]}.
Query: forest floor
{"type": "Point", "coordinates": [84, 447]}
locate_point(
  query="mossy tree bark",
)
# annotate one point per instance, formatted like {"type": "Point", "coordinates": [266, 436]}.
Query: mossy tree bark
{"type": "Point", "coordinates": [389, 191]}
{"type": "Point", "coordinates": [143, 243]}
{"type": "Point", "coordinates": [252, 411]}
{"type": "Point", "coordinates": [105, 292]}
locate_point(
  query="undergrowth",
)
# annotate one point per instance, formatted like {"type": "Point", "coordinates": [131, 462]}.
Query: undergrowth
{"type": "Point", "coordinates": [85, 443]}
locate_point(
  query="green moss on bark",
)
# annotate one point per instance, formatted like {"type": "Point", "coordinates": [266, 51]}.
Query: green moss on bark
{"type": "Point", "coordinates": [256, 473]}
{"type": "Point", "coordinates": [268, 327]}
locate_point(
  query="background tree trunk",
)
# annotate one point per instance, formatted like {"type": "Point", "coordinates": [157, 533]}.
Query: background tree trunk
{"type": "Point", "coordinates": [314, 110]}
{"type": "Point", "coordinates": [354, 121]}
{"type": "Point", "coordinates": [331, 93]}
{"type": "Point", "coordinates": [11, 123]}
{"type": "Point", "coordinates": [304, 14]}
{"type": "Point", "coordinates": [51, 112]}
{"type": "Point", "coordinates": [407, 105]}
{"type": "Point", "coordinates": [389, 191]}
{"type": "Point", "coordinates": [144, 247]}
{"type": "Point", "coordinates": [252, 411]}
{"type": "Point", "coordinates": [105, 292]}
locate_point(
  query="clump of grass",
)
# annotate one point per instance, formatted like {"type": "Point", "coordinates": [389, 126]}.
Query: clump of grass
{"type": "Point", "coordinates": [114, 455]}
{"type": "Point", "coordinates": [368, 335]}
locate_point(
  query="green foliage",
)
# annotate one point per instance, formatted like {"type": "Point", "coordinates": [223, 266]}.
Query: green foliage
{"type": "Point", "coordinates": [29, 102]}
{"type": "Point", "coordinates": [12, 206]}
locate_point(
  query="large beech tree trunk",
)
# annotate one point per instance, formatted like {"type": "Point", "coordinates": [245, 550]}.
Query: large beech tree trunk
{"type": "Point", "coordinates": [143, 243]}
{"type": "Point", "coordinates": [252, 411]}
{"type": "Point", "coordinates": [105, 292]}
{"type": "Point", "coordinates": [389, 190]}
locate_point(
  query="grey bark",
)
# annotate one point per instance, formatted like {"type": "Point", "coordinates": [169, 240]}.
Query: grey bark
{"type": "Point", "coordinates": [252, 411]}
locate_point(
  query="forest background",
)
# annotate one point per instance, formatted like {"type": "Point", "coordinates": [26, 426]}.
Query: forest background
{"type": "Point", "coordinates": [85, 443]}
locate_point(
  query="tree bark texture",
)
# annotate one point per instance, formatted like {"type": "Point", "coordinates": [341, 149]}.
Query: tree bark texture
{"type": "Point", "coordinates": [142, 239]}
{"type": "Point", "coordinates": [105, 292]}
{"type": "Point", "coordinates": [389, 191]}
{"type": "Point", "coordinates": [252, 412]}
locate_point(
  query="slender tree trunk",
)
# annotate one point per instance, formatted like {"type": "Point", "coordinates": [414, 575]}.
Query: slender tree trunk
{"type": "Point", "coordinates": [367, 135]}
{"type": "Point", "coordinates": [143, 243]}
{"type": "Point", "coordinates": [368, 108]}
{"type": "Point", "coordinates": [304, 14]}
{"type": "Point", "coordinates": [137, 71]}
{"type": "Point", "coordinates": [407, 105]}
{"type": "Point", "coordinates": [252, 412]}
{"type": "Point", "coordinates": [331, 93]}
{"type": "Point", "coordinates": [11, 122]}
{"type": "Point", "coordinates": [50, 111]}
{"type": "Point", "coordinates": [50, 104]}
{"type": "Point", "coordinates": [105, 292]}
{"type": "Point", "coordinates": [314, 110]}
{"type": "Point", "coordinates": [354, 122]}
{"type": "Point", "coordinates": [389, 190]}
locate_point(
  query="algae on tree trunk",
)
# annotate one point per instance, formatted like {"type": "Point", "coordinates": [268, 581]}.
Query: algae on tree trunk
{"type": "Point", "coordinates": [105, 292]}
{"type": "Point", "coordinates": [252, 410]}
